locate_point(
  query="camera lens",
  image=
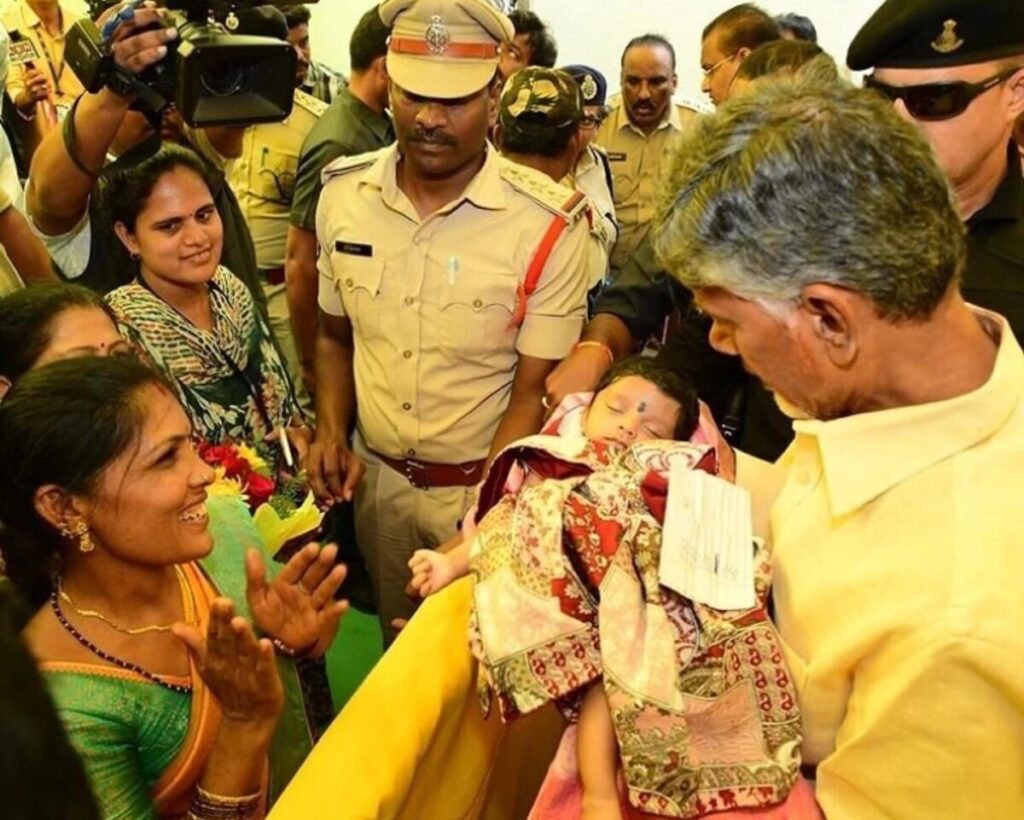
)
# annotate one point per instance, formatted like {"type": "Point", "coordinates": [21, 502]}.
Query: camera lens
{"type": "Point", "coordinates": [223, 78]}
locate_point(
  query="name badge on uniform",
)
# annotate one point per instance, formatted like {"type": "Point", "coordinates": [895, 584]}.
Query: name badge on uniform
{"type": "Point", "coordinates": [616, 156]}
{"type": "Point", "coordinates": [353, 248]}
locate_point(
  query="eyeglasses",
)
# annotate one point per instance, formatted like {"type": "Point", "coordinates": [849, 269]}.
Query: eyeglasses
{"type": "Point", "coordinates": [593, 120]}
{"type": "Point", "coordinates": [709, 71]}
{"type": "Point", "coordinates": [938, 101]}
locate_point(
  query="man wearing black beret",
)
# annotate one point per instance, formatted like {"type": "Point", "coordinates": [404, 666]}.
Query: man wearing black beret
{"type": "Point", "coordinates": [956, 69]}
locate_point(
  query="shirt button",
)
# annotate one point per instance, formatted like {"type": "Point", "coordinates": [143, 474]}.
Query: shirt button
{"type": "Point", "coordinates": [406, 406]}
{"type": "Point", "coordinates": [410, 452]}
{"type": "Point", "coordinates": [478, 303]}
{"type": "Point", "coordinates": [348, 283]}
{"type": "Point", "coordinates": [409, 300]}
{"type": "Point", "coordinates": [406, 354]}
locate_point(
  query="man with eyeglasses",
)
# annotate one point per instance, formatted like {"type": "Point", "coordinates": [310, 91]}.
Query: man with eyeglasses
{"type": "Point", "coordinates": [955, 68]}
{"type": "Point", "coordinates": [726, 42]}
{"type": "Point", "coordinates": [638, 136]}
{"type": "Point", "coordinates": [592, 173]}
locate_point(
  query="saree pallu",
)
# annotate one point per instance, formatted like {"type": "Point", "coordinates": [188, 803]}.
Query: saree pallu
{"type": "Point", "coordinates": [567, 593]}
{"type": "Point", "coordinates": [144, 746]}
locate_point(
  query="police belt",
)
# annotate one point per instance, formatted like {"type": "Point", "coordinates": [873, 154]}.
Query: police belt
{"type": "Point", "coordinates": [425, 474]}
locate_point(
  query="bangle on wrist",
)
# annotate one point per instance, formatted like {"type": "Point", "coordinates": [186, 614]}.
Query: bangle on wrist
{"type": "Point", "coordinates": [207, 806]}
{"type": "Point", "coordinates": [291, 653]}
{"type": "Point", "coordinates": [594, 343]}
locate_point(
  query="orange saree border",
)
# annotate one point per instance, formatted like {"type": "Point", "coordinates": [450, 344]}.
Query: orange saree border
{"type": "Point", "coordinates": [172, 792]}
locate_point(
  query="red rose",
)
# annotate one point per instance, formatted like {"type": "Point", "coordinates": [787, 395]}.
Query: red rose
{"type": "Point", "coordinates": [235, 466]}
{"type": "Point", "coordinates": [216, 454]}
{"type": "Point", "coordinates": [259, 489]}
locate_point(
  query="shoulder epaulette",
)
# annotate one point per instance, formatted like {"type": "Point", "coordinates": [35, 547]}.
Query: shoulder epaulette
{"type": "Point", "coordinates": [310, 103]}
{"type": "Point", "coordinates": [346, 165]}
{"type": "Point", "coordinates": [550, 195]}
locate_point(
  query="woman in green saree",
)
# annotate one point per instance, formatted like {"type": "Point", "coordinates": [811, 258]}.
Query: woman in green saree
{"type": "Point", "coordinates": [146, 590]}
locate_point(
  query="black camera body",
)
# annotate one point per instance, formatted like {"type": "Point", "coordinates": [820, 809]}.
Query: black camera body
{"type": "Point", "coordinates": [213, 77]}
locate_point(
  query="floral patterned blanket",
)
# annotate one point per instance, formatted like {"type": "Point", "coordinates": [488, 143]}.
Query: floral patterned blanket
{"type": "Point", "coordinates": [566, 594]}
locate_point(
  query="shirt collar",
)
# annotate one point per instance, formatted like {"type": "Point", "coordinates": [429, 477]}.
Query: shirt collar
{"type": "Point", "coordinates": [379, 124]}
{"type": "Point", "coordinates": [865, 455]}
{"type": "Point", "coordinates": [1007, 204]}
{"type": "Point", "coordinates": [484, 191]}
{"type": "Point", "coordinates": [31, 19]}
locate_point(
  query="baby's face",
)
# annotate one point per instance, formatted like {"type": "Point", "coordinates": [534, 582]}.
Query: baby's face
{"type": "Point", "coordinates": [629, 410]}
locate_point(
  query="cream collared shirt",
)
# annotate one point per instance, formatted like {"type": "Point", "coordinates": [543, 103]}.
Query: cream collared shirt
{"type": "Point", "coordinates": [899, 593]}
{"type": "Point", "coordinates": [431, 302]}
{"type": "Point", "coordinates": [639, 163]}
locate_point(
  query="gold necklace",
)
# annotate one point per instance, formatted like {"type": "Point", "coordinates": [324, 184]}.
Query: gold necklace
{"type": "Point", "coordinates": [127, 630]}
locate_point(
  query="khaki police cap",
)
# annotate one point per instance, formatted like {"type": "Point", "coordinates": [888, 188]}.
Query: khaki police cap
{"type": "Point", "coordinates": [444, 49]}
{"type": "Point", "coordinates": [935, 33]}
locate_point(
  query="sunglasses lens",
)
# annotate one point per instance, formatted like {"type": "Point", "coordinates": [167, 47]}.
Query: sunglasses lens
{"type": "Point", "coordinates": [936, 102]}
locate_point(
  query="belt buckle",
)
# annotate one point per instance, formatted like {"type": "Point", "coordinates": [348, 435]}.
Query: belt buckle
{"type": "Point", "coordinates": [416, 474]}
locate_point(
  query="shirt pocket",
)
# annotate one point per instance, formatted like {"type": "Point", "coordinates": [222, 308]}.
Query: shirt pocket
{"type": "Point", "coordinates": [273, 175]}
{"type": "Point", "coordinates": [476, 315]}
{"type": "Point", "coordinates": [358, 279]}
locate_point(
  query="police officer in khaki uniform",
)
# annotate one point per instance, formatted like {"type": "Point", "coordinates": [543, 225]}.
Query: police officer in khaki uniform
{"type": "Point", "coordinates": [263, 179]}
{"type": "Point", "coordinates": [639, 135]}
{"type": "Point", "coordinates": [539, 120]}
{"type": "Point", "coordinates": [592, 173]}
{"type": "Point", "coordinates": [452, 282]}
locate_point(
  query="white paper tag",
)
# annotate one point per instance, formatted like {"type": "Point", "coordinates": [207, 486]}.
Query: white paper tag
{"type": "Point", "coordinates": [707, 547]}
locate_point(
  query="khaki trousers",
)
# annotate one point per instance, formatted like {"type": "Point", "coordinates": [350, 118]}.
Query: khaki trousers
{"type": "Point", "coordinates": [393, 520]}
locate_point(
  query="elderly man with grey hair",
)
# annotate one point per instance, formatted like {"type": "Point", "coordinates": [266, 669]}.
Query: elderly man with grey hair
{"type": "Point", "coordinates": [817, 231]}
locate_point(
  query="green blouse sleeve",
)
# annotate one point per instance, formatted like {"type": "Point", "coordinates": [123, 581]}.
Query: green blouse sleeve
{"type": "Point", "coordinates": [126, 733]}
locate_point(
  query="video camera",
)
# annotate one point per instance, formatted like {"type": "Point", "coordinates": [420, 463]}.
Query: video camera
{"type": "Point", "coordinates": [212, 76]}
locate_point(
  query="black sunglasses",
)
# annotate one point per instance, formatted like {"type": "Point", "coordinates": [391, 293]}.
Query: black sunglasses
{"type": "Point", "coordinates": [937, 101]}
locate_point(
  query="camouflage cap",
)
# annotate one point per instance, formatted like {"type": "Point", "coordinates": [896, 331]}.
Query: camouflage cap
{"type": "Point", "coordinates": [444, 49]}
{"type": "Point", "coordinates": [537, 99]}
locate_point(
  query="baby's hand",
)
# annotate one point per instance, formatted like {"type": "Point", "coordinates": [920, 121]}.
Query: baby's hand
{"type": "Point", "coordinates": [431, 572]}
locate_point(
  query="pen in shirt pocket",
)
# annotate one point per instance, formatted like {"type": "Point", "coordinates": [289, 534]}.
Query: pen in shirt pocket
{"type": "Point", "coordinates": [453, 268]}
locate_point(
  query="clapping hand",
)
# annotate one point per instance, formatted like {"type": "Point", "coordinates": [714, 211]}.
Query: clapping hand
{"type": "Point", "coordinates": [238, 668]}
{"type": "Point", "coordinates": [298, 607]}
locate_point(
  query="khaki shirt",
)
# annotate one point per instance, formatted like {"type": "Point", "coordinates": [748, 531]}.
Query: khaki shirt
{"type": "Point", "coordinates": [639, 163]}
{"type": "Point", "coordinates": [431, 300]}
{"type": "Point", "coordinates": [897, 566]}
{"type": "Point", "coordinates": [263, 177]}
{"type": "Point", "coordinates": [589, 177]}
{"type": "Point", "coordinates": [65, 83]}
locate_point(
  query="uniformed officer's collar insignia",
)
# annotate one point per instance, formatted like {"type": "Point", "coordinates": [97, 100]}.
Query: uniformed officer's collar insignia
{"type": "Point", "coordinates": [589, 88]}
{"type": "Point", "coordinates": [437, 35]}
{"type": "Point", "coordinates": [947, 42]}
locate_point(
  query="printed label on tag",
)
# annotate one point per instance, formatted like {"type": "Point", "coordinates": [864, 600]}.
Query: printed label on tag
{"type": "Point", "coordinates": [353, 248]}
{"type": "Point", "coordinates": [616, 156]}
{"type": "Point", "coordinates": [707, 544]}
{"type": "Point", "coordinates": [21, 52]}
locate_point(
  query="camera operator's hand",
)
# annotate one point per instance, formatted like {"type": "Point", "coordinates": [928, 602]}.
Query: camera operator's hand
{"type": "Point", "coordinates": [139, 42]}
{"type": "Point", "coordinates": [37, 87]}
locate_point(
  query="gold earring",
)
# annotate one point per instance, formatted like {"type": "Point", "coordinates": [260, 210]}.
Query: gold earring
{"type": "Point", "coordinates": [79, 531]}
